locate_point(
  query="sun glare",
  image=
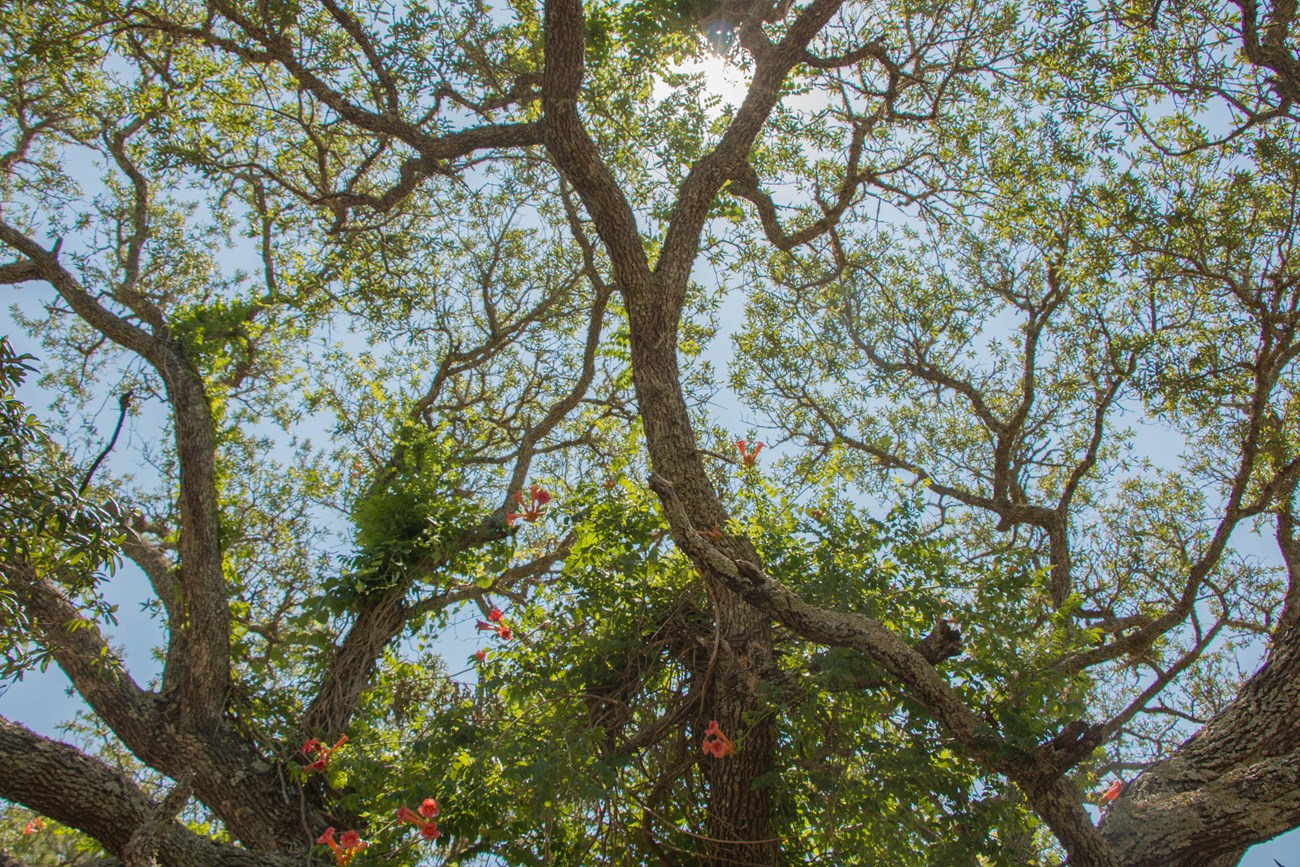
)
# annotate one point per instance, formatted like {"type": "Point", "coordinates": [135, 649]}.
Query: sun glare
{"type": "Point", "coordinates": [722, 79]}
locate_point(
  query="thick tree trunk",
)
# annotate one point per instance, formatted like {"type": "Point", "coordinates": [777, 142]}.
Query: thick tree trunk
{"type": "Point", "coordinates": [1235, 783]}
{"type": "Point", "coordinates": [198, 654]}
{"type": "Point", "coordinates": [229, 775]}
{"type": "Point", "coordinates": [739, 824]}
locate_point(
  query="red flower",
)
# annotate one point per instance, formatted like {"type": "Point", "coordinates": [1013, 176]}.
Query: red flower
{"type": "Point", "coordinates": [532, 508]}
{"type": "Point", "coordinates": [346, 848]}
{"type": "Point", "coordinates": [424, 820]}
{"type": "Point", "coordinates": [33, 826]}
{"type": "Point", "coordinates": [481, 655]}
{"type": "Point", "coordinates": [314, 746]}
{"type": "Point", "coordinates": [494, 624]}
{"type": "Point", "coordinates": [748, 458]}
{"type": "Point", "coordinates": [1112, 793]}
{"type": "Point", "coordinates": [716, 743]}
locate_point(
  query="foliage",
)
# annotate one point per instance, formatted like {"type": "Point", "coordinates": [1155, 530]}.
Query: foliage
{"type": "Point", "coordinates": [48, 525]}
{"type": "Point", "coordinates": [424, 309]}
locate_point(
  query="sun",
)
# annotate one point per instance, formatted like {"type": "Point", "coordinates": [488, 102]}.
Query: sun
{"type": "Point", "coordinates": [721, 77]}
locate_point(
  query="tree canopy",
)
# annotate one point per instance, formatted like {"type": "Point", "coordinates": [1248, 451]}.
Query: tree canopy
{"type": "Point", "coordinates": [888, 459]}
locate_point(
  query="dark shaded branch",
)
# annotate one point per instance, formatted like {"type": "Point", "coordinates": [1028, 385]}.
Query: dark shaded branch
{"type": "Point", "coordinates": [123, 403]}
{"type": "Point", "coordinates": [19, 272]}
{"type": "Point", "coordinates": [198, 663]}
{"type": "Point", "coordinates": [378, 623]}
{"type": "Point", "coordinates": [229, 777]}
{"type": "Point", "coordinates": [79, 648]}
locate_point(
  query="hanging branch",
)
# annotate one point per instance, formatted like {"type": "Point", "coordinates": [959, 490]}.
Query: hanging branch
{"type": "Point", "coordinates": [123, 403]}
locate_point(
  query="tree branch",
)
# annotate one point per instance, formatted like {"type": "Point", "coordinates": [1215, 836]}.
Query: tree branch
{"type": "Point", "coordinates": [61, 782]}
{"type": "Point", "coordinates": [1235, 783]}
{"type": "Point", "coordinates": [772, 64]}
{"type": "Point", "coordinates": [1055, 799]}
{"type": "Point", "coordinates": [199, 653]}
{"type": "Point", "coordinates": [575, 153]}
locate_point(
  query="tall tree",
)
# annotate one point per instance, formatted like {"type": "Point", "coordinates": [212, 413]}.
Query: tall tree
{"type": "Point", "coordinates": [419, 294]}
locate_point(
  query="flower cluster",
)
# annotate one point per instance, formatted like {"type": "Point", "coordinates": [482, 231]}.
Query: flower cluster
{"type": "Point", "coordinates": [313, 747]}
{"type": "Point", "coordinates": [494, 624]}
{"type": "Point", "coordinates": [716, 743]}
{"type": "Point", "coordinates": [425, 818]}
{"type": "Point", "coordinates": [346, 848]}
{"type": "Point", "coordinates": [349, 844]}
{"type": "Point", "coordinates": [532, 507]}
{"type": "Point", "coordinates": [748, 458]}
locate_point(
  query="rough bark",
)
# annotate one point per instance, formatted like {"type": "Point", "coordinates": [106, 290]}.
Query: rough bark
{"type": "Point", "coordinates": [739, 824]}
{"type": "Point", "coordinates": [247, 792]}
{"type": "Point", "coordinates": [63, 783]}
{"type": "Point", "coordinates": [1233, 784]}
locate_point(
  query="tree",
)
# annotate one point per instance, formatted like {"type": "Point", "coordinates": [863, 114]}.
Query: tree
{"type": "Point", "coordinates": [978, 247]}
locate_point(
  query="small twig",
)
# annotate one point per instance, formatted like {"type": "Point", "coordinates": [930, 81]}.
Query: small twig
{"type": "Point", "coordinates": [123, 403]}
